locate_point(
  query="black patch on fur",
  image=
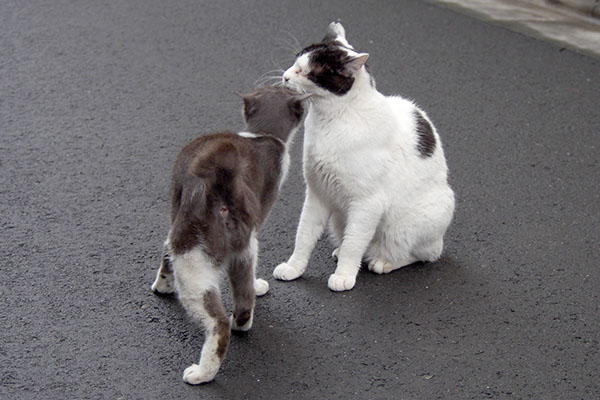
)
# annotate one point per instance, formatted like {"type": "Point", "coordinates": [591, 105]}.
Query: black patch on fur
{"type": "Point", "coordinates": [327, 67]}
{"type": "Point", "coordinates": [425, 138]}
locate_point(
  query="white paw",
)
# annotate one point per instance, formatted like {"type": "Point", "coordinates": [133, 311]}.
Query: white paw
{"type": "Point", "coordinates": [261, 287]}
{"type": "Point", "coordinates": [285, 272]}
{"type": "Point", "coordinates": [335, 253]}
{"type": "Point", "coordinates": [339, 283]}
{"type": "Point", "coordinates": [163, 285]}
{"type": "Point", "coordinates": [195, 374]}
{"type": "Point", "coordinates": [244, 328]}
{"type": "Point", "coordinates": [380, 267]}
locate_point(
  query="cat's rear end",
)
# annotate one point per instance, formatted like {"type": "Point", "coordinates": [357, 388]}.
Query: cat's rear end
{"type": "Point", "coordinates": [215, 193]}
{"type": "Point", "coordinates": [224, 185]}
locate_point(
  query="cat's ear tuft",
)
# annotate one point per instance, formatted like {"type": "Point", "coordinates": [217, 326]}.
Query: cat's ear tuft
{"type": "Point", "coordinates": [335, 30]}
{"type": "Point", "coordinates": [354, 64]}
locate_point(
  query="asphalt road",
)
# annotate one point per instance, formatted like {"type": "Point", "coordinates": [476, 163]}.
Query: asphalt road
{"type": "Point", "coordinates": [98, 97]}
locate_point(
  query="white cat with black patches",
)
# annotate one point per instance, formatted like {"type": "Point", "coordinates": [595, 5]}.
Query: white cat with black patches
{"type": "Point", "coordinates": [374, 168]}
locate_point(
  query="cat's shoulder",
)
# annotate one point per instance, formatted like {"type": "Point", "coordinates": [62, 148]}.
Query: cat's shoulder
{"type": "Point", "coordinates": [401, 104]}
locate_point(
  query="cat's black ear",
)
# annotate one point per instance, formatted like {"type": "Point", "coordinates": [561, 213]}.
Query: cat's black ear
{"type": "Point", "coordinates": [354, 64]}
{"type": "Point", "coordinates": [334, 30]}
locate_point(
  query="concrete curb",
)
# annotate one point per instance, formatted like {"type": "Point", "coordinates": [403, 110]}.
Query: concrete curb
{"type": "Point", "coordinates": [543, 19]}
{"type": "Point", "coordinates": [588, 7]}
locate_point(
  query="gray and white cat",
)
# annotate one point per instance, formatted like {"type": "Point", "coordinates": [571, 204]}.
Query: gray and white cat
{"type": "Point", "coordinates": [223, 187]}
{"type": "Point", "coordinates": [374, 168]}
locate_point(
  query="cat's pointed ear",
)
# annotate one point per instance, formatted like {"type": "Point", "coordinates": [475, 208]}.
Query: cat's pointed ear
{"type": "Point", "coordinates": [335, 30]}
{"type": "Point", "coordinates": [354, 65]}
{"type": "Point", "coordinates": [249, 103]}
{"type": "Point", "coordinates": [244, 96]}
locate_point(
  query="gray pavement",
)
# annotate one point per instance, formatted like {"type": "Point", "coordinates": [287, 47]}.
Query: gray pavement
{"type": "Point", "coordinates": [573, 24]}
{"type": "Point", "coordinates": [98, 97]}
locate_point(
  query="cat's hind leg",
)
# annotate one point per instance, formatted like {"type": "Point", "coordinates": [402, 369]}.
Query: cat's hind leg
{"type": "Point", "coordinates": [164, 283]}
{"type": "Point", "coordinates": [379, 260]}
{"type": "Point", "coordinates": [245, 286]}
{"type": "Point", "coordinates": [197, 281]}
{"type": "Point", "coordinates": [430, 251]}
{"type": "Point", "coordinates": [380, 266]}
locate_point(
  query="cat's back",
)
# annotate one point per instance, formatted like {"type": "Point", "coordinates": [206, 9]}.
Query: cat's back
{"type": "Point", "coordinates": [207, 146]}
{"type": "Point", "coordinates": [252, 163]}
{"type": "Point", "coordinates": [220, 188]}
{"type": "Point", "coordinates": [223, 148]}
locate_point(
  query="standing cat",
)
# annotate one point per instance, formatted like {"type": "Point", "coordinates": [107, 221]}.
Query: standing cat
{"type": "Point", "coordinates": [224, 185]}
{"type": "Point", "coordinates": [374, 169]}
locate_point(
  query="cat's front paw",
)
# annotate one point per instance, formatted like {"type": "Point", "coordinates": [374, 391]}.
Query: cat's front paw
{"type": "Point", "coordinates": [261, 287]}
{"type": "Point", "coordinates": [339, 283]}
{"type": "Point", "coordinates": [163, 284]}
{"type": "Point", "coordinates": [286, 272]}
{"type": "Point", "coordinates": [195, 374]}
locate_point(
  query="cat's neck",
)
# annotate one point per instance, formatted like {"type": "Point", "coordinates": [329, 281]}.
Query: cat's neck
{"type": "Point", "coordinates": [361, 93]}
{"type": "Point", "coordinates": [283, 137]}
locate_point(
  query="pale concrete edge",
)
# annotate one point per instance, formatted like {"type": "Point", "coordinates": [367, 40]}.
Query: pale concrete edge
{"type": "Point", "coordinates": [514, 26]}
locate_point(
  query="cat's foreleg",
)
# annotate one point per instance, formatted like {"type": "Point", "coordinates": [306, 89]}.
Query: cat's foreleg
{"type": "Point", "coordinates": [363, 220]}
{"type": "Point", "coordinates": [312, 223]}
{"type": "Point", "coordinates": [164, 282]}
{"type": "Point", "coordinates": [197, 282]}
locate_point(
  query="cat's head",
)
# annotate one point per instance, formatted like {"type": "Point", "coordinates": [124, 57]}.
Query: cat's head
{"type": "Point", "coordinates": [330, 67]}
{"type": "Point", "coordinates": [273, 110]}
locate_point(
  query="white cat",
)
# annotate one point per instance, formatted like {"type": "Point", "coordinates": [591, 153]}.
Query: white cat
{"type": "Point", "coordinates": [374, 168]}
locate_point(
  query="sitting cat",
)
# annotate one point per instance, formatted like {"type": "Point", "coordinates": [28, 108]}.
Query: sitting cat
{"type": "Point", "coordinates": [374, 168]}
{"type": "Point", "coordinates": [223, 187]}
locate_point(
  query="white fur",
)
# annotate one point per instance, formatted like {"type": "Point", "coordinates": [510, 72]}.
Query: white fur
{"type": "Point", "coordinates": [194, 276]}
{"type": "Point", "coordinates": [365, 178]}
{"type": "Point", "coordinates": [249, 135]}
{"type": "Point", "coordinates": [164, 285]}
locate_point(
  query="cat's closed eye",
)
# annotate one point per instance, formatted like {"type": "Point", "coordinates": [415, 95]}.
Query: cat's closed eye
{"type": "Point", "coordinates": [300, 72]}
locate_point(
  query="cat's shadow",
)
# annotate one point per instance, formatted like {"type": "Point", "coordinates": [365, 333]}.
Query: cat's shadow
{"type": "Point", "coordinates": [317, 315]}
{"type": "Point", "coordinates": [420, 282]}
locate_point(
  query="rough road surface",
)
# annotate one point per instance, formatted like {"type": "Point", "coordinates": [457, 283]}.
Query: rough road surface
{"type": "Point", "coordinates": [98, 97]}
